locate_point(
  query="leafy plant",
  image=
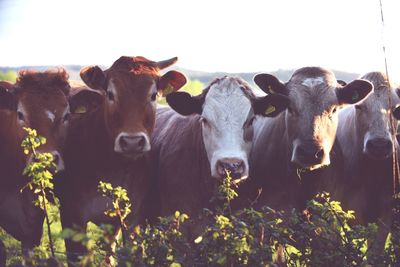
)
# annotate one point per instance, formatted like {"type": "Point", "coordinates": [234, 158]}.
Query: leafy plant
{"type": "Point", "coordinates": [39, 170]}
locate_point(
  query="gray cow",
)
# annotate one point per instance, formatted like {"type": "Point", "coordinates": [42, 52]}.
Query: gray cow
{"type": "Point", "coordinates": [301, 138]}
{"type": "Point", "coordinates": [365, 136]}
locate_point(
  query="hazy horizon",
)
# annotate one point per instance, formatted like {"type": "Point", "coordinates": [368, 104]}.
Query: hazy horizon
{"type": "Point", "coordinates": [210, 36]}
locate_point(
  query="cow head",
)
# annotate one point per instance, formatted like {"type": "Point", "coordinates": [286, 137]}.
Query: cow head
{"type": "Point", "coordinates": [129, 89]}
{"type": "Point", "coordinates": [38, 100]}
{"type": "Point", "coordinates": [372, 118]}
{"type": "Point", "coordinates": [311, 118]}
{"type": "Point", "coordinates": [227, 108]}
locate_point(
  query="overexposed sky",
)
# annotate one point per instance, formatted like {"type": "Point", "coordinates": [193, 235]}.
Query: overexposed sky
{"type": "Point", "coordinates": [208, 35]}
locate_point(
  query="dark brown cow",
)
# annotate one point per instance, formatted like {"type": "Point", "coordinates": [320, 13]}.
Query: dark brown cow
{"type": "Point", "coordinates": [3, 254]}
{"type": "Point", "coordinates": [109, 138]}
{"type": "Point", "coordinates": [215, 133]}
{"type": "Point", "coordinates": [37, 100]}
{"type": "Point", "coordinates": [301, 138]}
{"type": "Point", "coordinates": [365, 136]}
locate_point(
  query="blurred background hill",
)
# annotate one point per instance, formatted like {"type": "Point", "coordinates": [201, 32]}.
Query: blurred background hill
{"type": "Point", "coordinates": [10, 73]}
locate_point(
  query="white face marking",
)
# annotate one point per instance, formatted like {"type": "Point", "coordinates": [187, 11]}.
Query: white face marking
{"type": "Point", "coordinates": [50, 115]}
{"type": "Point", "coordinates": [311, 82]}
{"type": "Point", "coordinates": [225, 110]}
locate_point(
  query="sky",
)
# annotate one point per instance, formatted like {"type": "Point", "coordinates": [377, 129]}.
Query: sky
{"type": "Point", "coordinates": [206, 35]}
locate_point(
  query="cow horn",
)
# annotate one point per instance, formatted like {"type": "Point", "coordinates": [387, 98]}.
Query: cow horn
{"type": "Point", "coordinates": [166, 63]}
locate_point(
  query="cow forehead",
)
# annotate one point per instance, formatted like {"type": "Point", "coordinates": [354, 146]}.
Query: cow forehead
{"type": "Point", "coordinates": [122, 81]}
{"type": "Point", "coordinates": [381, 98]}
{"type": "Point", "coordinates": [43, 105]}
{"type": "Point", "coordinates": [312, 91]}
{"type": "Point", "coordinates": [226, 101]}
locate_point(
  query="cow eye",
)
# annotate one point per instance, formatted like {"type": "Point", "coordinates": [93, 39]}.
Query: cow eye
{"type": "Point", "coordinates": [67, 117]}
{"type": "Point", "coordinates": [110, 96]}
{"type": "Point", "coordinates": [204, 120]}
{"type": "Point", "coordinates": [250, 122]}
{"type": "Point", "coordinates": [334, 110]}
{"type": "Point", "coordinates": [153, 96]}
{"type": "Point", "coordinates": [20, 116]}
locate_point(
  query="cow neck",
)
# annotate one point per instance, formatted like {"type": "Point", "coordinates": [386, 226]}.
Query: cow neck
{"type": "Point", "coordinates": [349, 140]}
{"type": "Point", "coordinates": [273, 140]}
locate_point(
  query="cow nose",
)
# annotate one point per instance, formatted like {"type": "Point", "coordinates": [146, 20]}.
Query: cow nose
{"type": "Point", "coordinates": [58, 161]}
{"type": "Point", "coordinates": [234, 166]}
{"type": "Point", "coordinates": [379, 148]}
{"type": "Point", "coordinates": [310, 155]}
{"type": "Point", "coordinates": [132, 143]}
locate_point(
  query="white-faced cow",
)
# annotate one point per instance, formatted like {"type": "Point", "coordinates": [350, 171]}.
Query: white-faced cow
{"type": "Point", "coordinates": [201, 137]}
{"type": "Point", "coordinates": [365, 135]}
{"type": "Point", "coordinates": [301, 138]}
{"type": "Point", "coordinates": [110, 137]}
{"type": "Point", "coordinates": [37, 100]}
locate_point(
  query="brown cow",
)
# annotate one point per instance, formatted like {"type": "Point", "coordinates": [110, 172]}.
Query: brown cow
{"type": "Point", "coordinates": [301, 138]}
{"type": "Point", "coordinates": [3, 254]}
{"type": "Point", "coordinates": [214, 134]}
{"type": "Point", "coordinates": [109, 139]}
{"type": "Point", "coordinates": [365, 136]}
{"type": "Point", "coordinates": [37, 100]}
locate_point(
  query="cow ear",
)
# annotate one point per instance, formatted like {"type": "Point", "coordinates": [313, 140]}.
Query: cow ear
{"type": "Point", "coordinates": [341, 82]}
{"type": "Point", "coordinates": [170, 82]}
{"type": "Point", "coordinates": [93, 77]}
{"type": "Point", "coordinates": [396, 112]}
{"type": "Point", "coordinates": [354, 92]}
{"type": "Point", "coordinates": [185, 104]}
{"type": "Point", "coordinates": [85, 101]}
{"type": "Point", "coordinates": [7, 99]}
{"type": "Point", "coordinates": [270, 105]}
{"type": "Point", "coordinates": [270, 84]}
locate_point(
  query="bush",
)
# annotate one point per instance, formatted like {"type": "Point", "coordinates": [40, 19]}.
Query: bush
{"type": "Point", "coordinates": [321, 235]}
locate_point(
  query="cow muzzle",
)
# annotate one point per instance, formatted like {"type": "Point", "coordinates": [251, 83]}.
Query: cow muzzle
{"type": "Point", "coordinates": [236, 168]}
{"type": "Point", "coordinates": [309, 156]}
{"type": "Point", "coordinates": [132, 145]}
{"type": "Point", "coordinates": [378, 148]}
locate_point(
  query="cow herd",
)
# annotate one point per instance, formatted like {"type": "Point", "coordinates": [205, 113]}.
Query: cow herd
{"type": "Point", "coordinates": [310, 134]}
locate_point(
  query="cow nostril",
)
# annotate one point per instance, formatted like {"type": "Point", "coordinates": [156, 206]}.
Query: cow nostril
{"type": "Point", "coordinates": [56, 158]}
{"type": "Point", "coordinates": [141, 141]}
{"type": "Point", "coordinates": [123, 142]}
{"type": "Point", "coordinates": [320, 154]}
{"type": "Point", "coordinates": [234, 167]}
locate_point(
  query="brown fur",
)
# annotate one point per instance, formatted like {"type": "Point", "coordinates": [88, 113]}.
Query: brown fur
{"type": "Point", "coordinates": [36, 92]}
{"type": "Point", "coordinates": [90, 155]}
{"type": "Point", "coordinates": [43, 81]}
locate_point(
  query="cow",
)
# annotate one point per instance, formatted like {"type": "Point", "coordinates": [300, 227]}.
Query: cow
{"type": "Point", "coordinates": [298, 140]}
{"type": "Point", "coordinates": [367, 140]}
{"type": "Point", "coordinates": [109, 139]}
{"type": "Point", "coordinates": [201, 137]}
{"type": "Point", "coordinates": [37, 100]}
{"type": "Point", "coordinates": [3, 254]}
